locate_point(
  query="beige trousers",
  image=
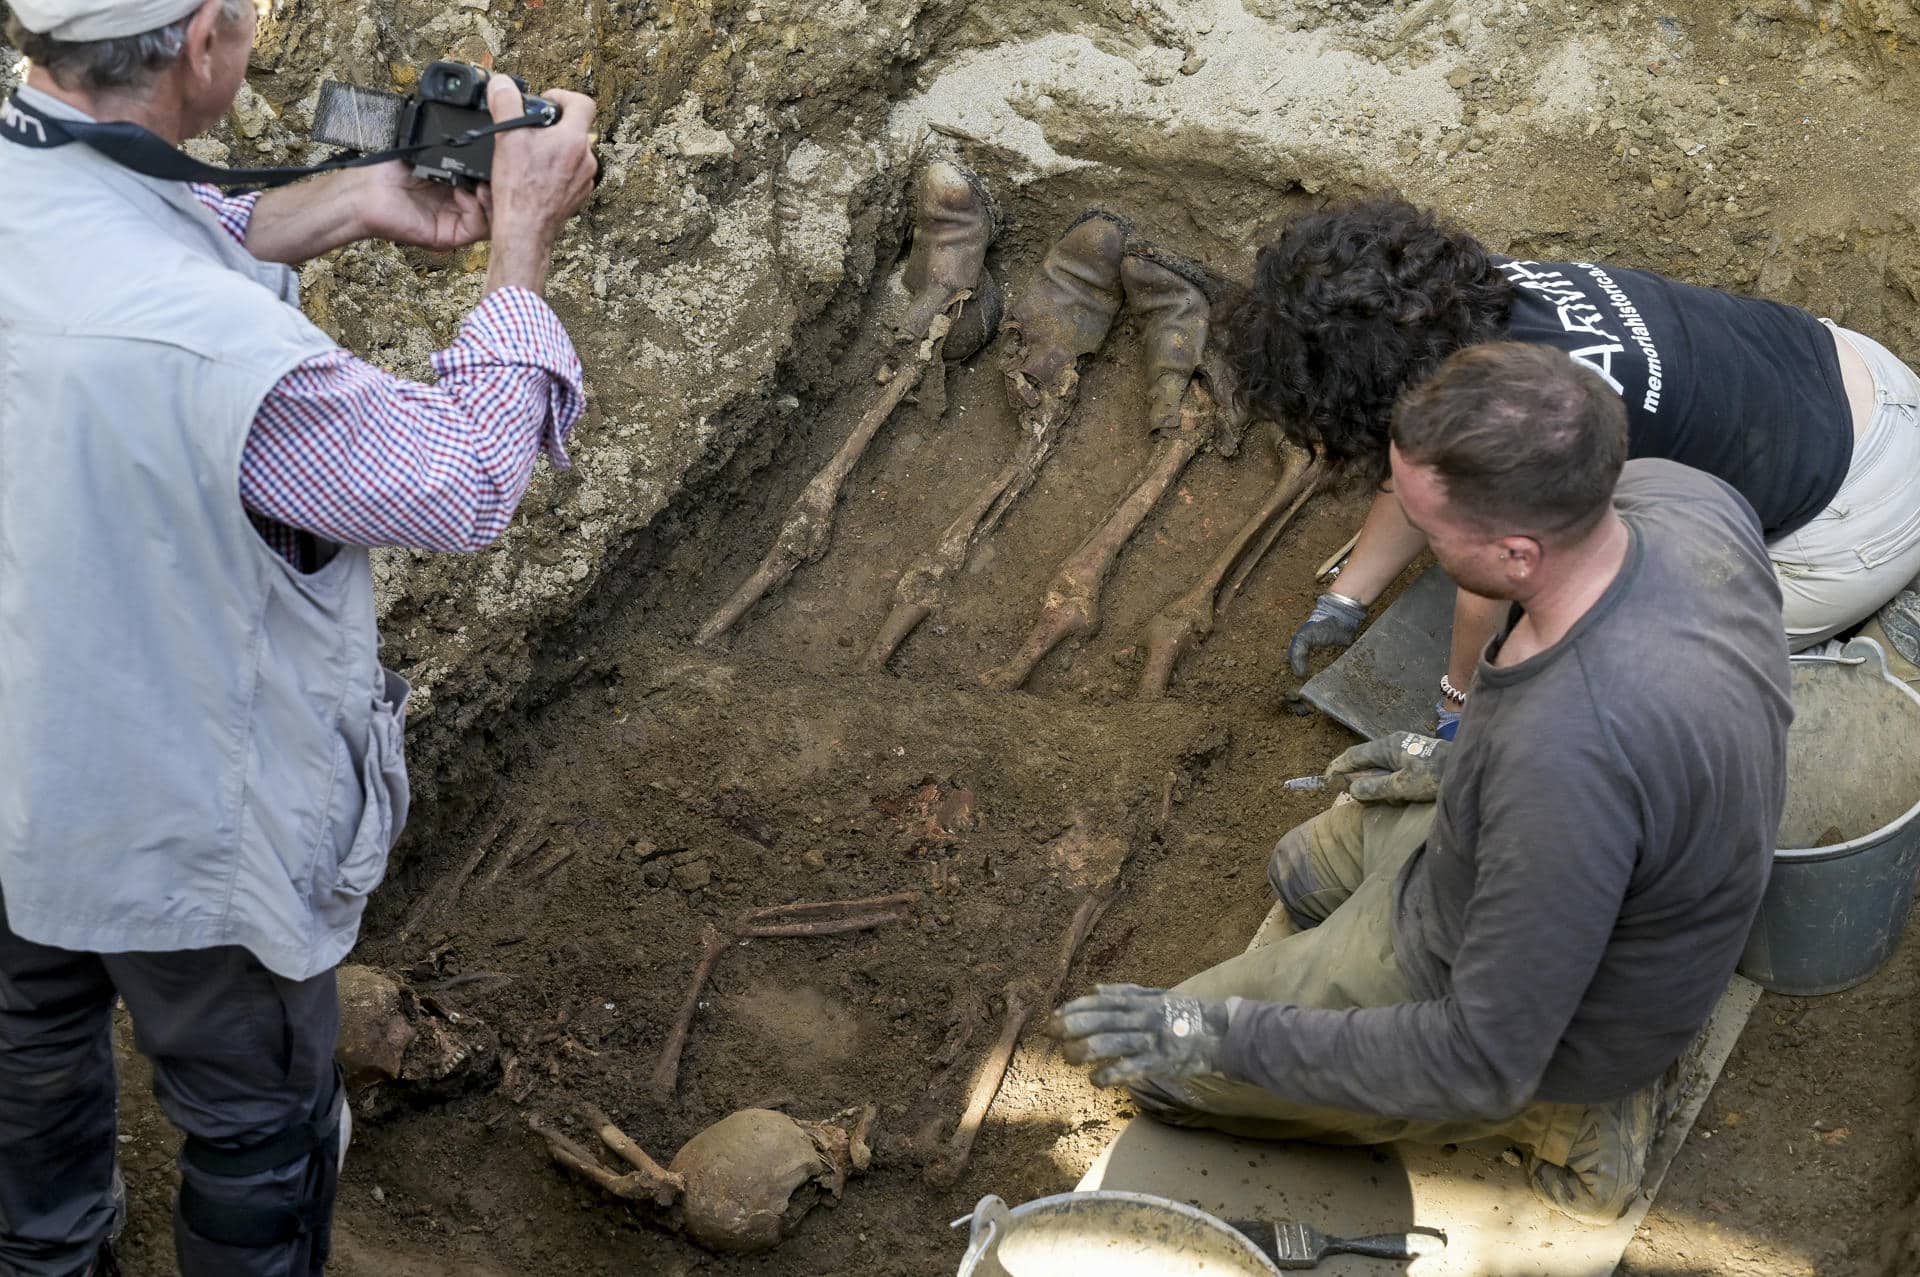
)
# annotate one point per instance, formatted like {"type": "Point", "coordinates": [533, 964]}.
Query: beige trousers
{"type": "Point", "coordinates": [1864, 548]}
{"type": "Point", "coordinates": [1335, 875]}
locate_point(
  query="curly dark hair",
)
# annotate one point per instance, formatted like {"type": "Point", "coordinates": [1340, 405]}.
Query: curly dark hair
{"type": "Point", "coordinates": [1353, 304]}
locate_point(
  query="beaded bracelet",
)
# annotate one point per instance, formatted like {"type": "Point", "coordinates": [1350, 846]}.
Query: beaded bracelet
{"type": "Point", "coordinates": [1448, 690]}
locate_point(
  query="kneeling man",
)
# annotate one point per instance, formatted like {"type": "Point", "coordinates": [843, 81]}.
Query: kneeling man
{"type": "Point", "coordinates": [1521, 945]}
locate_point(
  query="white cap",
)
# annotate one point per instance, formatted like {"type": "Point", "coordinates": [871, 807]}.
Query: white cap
{"type": "Point", "coordinates": [77, 20]}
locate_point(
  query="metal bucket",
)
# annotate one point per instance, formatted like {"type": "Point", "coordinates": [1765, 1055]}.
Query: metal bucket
{"type": "Point", "coordinates": [1844, 877]}
{"type": "Point", "coordinates": [1106, 1233]}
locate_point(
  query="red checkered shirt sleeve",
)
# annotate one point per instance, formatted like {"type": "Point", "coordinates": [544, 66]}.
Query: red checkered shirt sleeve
{"type": "Point", "coordinates": [352, 454]}
{"type": "Point", "coordinates": [234, 211]}
{"type": "Point", "coordinates": [356, 455]}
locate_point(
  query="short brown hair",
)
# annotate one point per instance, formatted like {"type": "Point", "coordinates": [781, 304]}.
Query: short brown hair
{"type": "Point", "coordinates": [1525, 439]}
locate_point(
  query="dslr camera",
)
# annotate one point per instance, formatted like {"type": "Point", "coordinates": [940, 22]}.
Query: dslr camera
{"type": "Point", "coordinates": [442, 126]}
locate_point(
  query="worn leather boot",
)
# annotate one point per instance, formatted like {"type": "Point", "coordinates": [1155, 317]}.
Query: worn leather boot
{"type": "Point", "coordinates": [953, 224]}
{"type": "Point", "coordinates": [1066, 312]}
{"type": "Point", "coordinates": [1605, 1162]}
{"type": "Point", "coordinates": [1167, 293]}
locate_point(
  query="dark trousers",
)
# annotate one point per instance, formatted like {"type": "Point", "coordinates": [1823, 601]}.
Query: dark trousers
{"type": "Point", "coordinates": [242, 1064]}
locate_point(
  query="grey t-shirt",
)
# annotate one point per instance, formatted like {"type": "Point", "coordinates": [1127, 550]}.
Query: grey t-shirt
{"type": "Point", "coordinates": [1601, 843]}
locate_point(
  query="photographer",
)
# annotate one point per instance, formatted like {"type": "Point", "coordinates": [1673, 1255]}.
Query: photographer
{"type": "Point", "coordinates": [200, 756]}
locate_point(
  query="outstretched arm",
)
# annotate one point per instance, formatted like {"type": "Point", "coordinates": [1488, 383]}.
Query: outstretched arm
{"type": "Point", "coordinates": [1387, 544]}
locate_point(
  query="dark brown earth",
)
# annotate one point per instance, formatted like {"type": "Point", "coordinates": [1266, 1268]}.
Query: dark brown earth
{"type": "Point", "coordinates": [675, 787]}
{"type": "Point", "coordinates": [693, 787]}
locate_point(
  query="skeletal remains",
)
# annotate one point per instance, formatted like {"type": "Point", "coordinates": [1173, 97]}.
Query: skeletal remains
{"type": "Point", "coordinates": [738, 1186]}
{"type": "Point", "coordinates": [398, 1044]}
{"type": "Point", "coordinates": [1096, 268]}
{"type": "Point", "coordinates": [741, 1184]}
{"type": "Point", "coordinates": [813, 918]}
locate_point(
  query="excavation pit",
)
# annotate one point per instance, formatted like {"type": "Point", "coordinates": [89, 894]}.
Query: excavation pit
{"type": "Point", "coordinates": [730, 295]}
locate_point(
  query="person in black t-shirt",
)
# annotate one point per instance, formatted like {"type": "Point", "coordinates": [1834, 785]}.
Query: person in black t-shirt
{"type": "Point", "coordinates": [1817, 427]}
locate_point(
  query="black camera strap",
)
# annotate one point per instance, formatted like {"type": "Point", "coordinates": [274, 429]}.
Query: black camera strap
{"type": "Point", "coordinates": [148, 154]}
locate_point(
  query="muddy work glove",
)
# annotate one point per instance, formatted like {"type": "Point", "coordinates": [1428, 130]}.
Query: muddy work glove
{"type": "Point", "coordinates": [1408, 768]}
{"type": "Point", "coordinates": [1334, 622]}
{"type": "Point", "coordinates": [1132, 1033]}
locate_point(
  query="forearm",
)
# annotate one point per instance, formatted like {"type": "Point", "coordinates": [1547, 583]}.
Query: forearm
{"type": "Point", "coordinates": [519, 261]}
{"type": "Point", "coordinates": [1388, 543]}
{"type": "Point", "coordinates": [295, 224]}
{"type": "Point", "coordinates": [357, 456]}
{"type": "Point", "coordinates": [1413, 1060]}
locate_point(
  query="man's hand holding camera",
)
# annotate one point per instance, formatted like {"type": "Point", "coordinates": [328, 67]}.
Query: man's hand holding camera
{"type": "Point", "coordinates": [392, 203]}
{"type": "Point", "coordinates": [541, 178]}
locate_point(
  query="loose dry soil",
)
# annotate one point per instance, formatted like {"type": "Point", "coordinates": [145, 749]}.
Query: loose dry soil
{"type": "Point", "coordinates": [727, 291]}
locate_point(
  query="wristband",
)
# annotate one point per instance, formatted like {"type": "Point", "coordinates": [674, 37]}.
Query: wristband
{"type": "Point", "coordinates": [1453, 694]}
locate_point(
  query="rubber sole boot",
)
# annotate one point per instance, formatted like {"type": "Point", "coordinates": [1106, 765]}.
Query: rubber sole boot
{"type": "Point", "coordinates": [953, 225]}
{"type": "Point", "coordinates": [1065, 313]}
{"type": "Point", "coordinates": [1607, 1160]}
{"type": "Point", "coordinates": [1166, 292]}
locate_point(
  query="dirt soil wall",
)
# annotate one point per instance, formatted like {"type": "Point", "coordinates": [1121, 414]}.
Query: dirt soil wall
{"type": "Point", "coordinates": [726, 290]}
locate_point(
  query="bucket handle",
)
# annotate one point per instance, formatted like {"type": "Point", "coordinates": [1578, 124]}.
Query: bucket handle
{"type": "Point", "coordinates": [1858, 651]}
{"type": "Point", "coordinates": [986, 1220]}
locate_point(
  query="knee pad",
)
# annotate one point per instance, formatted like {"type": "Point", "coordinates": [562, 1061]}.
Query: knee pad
{"type": "Point", "coordinates": [319, 1143]}
{"type": "Point", "coordinates": [1290, 874]}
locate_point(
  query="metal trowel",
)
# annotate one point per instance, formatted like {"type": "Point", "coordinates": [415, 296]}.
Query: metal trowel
{"type": "Point", "coordinates": [1293, 1246]}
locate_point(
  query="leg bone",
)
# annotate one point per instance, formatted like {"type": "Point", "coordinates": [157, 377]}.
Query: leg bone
{"type": "Point", "coordinates": [953, 227]}
{"type": "Point", "coordinates": [1168, 295]}
{"type": "Point", "coordinates": [951, 1160]}
{"type": "Point", "coordinates": [1063, 317]}
{"type": "Point", "coordinates": [1072, 606]}
{"type": "Point", "coordinates": [804, 536]}
{"type": "Point", "coordinates": [946, 1167]}
{"type": "Point", "coordinates": [1189, 619]}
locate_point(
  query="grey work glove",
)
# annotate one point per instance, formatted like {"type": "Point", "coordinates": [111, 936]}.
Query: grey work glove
{"type": "Point", "coordinates": [1134, 1033]}
{"type": "Point", "coordinates": [1334, 622]}
{"type": "Point", "coordinates": [1410, 767]}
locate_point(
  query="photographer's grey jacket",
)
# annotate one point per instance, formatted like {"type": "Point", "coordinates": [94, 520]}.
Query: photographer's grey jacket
{"type": "Point", "coordinates": [198, 746]}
